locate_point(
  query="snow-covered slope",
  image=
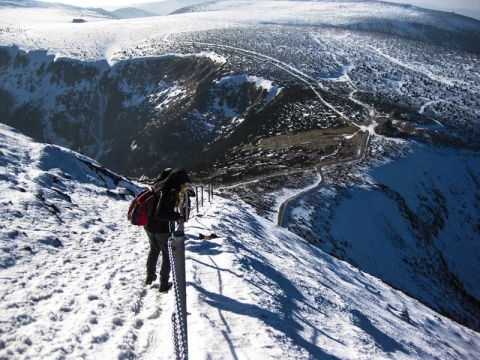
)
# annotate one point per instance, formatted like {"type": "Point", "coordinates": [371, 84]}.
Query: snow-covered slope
{"type": "Point", "coordinates": [167, 6]}
{"type": "Point", "coordinates": [35, 12]}
{"type": "Point", "coordinates": [129, 13]}
{"type": "Point", "coordinates": [21, 25]}
{"type": "Point", "coordinates": [72, 274]}
{"type": "Point", "coordinates": [411, 220]}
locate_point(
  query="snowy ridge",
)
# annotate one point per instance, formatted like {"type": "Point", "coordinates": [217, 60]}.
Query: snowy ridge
{"type": "Point", "coordinates": [73, 268]}
{"type": "Point", "coordinates": [107, 39]}
{"type": "Point", "coordinates": [38, 11]}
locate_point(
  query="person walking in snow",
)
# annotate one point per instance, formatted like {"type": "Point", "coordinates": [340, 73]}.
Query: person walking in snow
{"type": "Point", "coordinates": [169, 186]}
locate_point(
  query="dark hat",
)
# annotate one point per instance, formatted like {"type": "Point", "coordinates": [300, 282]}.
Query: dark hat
{"type": "Point", "coordinates": [177, 178]}
{"type": "Point", "coordinates": [163, 175]}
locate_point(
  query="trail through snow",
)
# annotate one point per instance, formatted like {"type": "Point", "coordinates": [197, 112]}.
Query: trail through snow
{"type": "Point", "coordinates": [72, 275]}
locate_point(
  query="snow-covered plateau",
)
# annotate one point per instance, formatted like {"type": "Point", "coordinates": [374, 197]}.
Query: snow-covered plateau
{"type": "Point", "coordinates": [343, 140]}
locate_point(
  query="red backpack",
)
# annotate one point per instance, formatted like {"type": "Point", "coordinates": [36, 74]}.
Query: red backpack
{"type": "Point", "coordinates": [142, 207]}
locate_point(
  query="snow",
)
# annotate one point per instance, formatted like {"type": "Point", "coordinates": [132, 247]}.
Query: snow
{"type": "Point", "coordinates": [450, 172]}
{"type": "Point", "coordinates": [312, 42]}
{"type": "Point", "coordinates": [49, 15]}
{"type": "Point", "coordinates": [168, 94]}
{"type": "Point", "coordinates": [73, 268]}
{"type": "Point", "coordinates": [104, 38]}
{"type": "Point", "coordinates": [366, 223]}
{"type": "Point", "coordinates": [213, 56]}
{"type": "Point", "coordinates": [236, 81]}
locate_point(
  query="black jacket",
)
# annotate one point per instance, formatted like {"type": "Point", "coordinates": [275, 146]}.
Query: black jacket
{"type": "Point", "coordinates": [165, 209]}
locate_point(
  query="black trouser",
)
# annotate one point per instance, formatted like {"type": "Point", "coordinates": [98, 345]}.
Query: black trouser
{"type": "Point", "coordinates": [158, 243]}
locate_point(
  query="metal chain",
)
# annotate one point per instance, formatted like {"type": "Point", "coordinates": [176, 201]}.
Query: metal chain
{"type": "Point", "coordinates": [179, 332]}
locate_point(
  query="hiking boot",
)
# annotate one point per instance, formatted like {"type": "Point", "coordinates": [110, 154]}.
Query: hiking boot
{"type": "Point", "coordinates": [151, 277]}
{"type": "Point", "coordinates": [164, 287]}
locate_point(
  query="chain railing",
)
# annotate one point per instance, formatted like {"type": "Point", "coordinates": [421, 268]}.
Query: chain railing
{"type": "Point", "coordinates": [176, 254]}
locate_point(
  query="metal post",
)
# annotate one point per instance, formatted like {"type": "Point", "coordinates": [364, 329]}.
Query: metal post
{"type": "Point", "coordinates": [211, 186]}
{"type": "Point", "coordinates": [178, 249]}
{"type": "Point", "coordinates": [187, 207]}
{"type": "Point", "coordinates": [196, 197]}
{"type": "Point", "coordinates": [202, 195]}
{"type": "Point", "coordinates": [208, 190]}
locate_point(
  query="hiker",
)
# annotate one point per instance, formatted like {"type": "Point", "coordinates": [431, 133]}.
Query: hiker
{"type": "Point", "coordinates": [169, 186]}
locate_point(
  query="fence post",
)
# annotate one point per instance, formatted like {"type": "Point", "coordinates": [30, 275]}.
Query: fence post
{"type": "Point", "coordinates": [186, 208]}
{"type": "Point", "coordinates": [177, 242]}
{"type": "Point", "coordinates": [202, 195]}
{"type": "Point", "coordinates": [208, 190]}
{"type": "Point", "coordinates": [211, 186]}
{"type": "Point", "coordinates": [196, 197]}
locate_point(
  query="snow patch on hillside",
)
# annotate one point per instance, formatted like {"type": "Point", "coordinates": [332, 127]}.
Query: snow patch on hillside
{"type": "Point", "coordinates": [219, 59]}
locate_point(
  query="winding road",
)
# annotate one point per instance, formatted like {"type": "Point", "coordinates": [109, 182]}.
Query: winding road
{"type": "Point", "coordinates": [360, 156]}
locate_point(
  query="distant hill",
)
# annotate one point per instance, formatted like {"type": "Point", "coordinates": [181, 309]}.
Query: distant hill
{"type": "Point", "coordinates": [131, 12]}
{"type": "Point", "coordinates": [168, 6]}
{"type": "Point", "coordinates": [60, 10]}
